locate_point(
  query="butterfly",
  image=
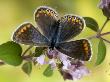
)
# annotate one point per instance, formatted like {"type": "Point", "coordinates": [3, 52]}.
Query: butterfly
{"type": "Point", "coordinates": [55, 32]}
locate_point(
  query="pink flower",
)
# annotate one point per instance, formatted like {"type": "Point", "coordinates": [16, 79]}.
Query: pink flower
{"type": "Point", "coordinates": [74, 71]}
{"type": "Point", "coordinates": [52, 53]}
{"type": "Point", "coordinates": [69, 68]}
{"type": "Point", "coordinates": [52, 63]}
{"type": "Point", "coordinates": [40, 60]}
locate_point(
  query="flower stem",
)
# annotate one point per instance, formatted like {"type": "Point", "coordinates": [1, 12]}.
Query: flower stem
{"type": "Point", "coordinates": [27, 58]}
{"type": "Point", "coordinates": [27, 50]}
{"type": "Point", "coordinates": [106, 21]}
{"type": "Point", "coordinates": [97, 36]}
{"type": "Point", "coordinates": [105, 40]}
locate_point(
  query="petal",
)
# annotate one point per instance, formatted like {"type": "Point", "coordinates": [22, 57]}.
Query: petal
{"type": "Point", "coordinates": [52, 63]}
{"type": "Point", "coordinates": [66, 64]}
{"type": "Point", "coordinates": [79, 72]}
{"type": "Point", "coordinates": [84, 70]}
{"type": "Point", "coordinates": [41, 59]}
{"type": "Point", "coordinates": [76, 74]}
{"type": "Point", "coordinates": [52, 53]}
{"type": "Point", "coordinates": [76, 69]}
{"type": "Point", "coordinates": [62, 56]}
{"type": "Point", "coordinates": [66, 75]}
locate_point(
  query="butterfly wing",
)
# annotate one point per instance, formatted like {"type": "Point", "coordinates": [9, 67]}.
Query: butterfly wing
{"type": "Point", "coordinates": [28, 34]}
{"type": "Point", "coordinates": [69, 27]}
{"type": "Point", "coordinates": [79, 49]}
{"type": "Point", "coordinates": [46, 19]}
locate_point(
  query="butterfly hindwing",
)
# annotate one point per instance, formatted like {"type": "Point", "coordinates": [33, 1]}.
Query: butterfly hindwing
{"type": "Point", "coordinates": [79, 49]}
{"type": "Point", "coordinates": [69, 27]}
{"type": "Point", "coordinates": [28, 34]}
{"type": "Point", "coordinates": [46, 19]}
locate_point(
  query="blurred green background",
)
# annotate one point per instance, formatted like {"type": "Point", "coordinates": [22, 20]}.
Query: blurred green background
{"type": "Point", "coordinates": [15, 12]}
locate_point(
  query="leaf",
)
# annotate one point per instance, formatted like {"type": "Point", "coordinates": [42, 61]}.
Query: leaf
{"type": "Point", "coordinates": [101, 52]}
{"type": "Point", "coordinates": [27, 68]}
{"type": "Point", "coordinates": [10, 53]}
{"type": "Point", "coordinates": [48, 71]}
{"type": "Point", "coordinates": [91, 23]}
{"type": "Point", "coordinates": [38, 51]}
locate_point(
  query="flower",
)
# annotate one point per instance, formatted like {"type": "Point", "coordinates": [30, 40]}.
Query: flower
{"type": "Point", "coordinates": [69, 68]}
{"type": "Point", "coordinates": [105, 6]}
{"type": "Point", "coordinates": [40, 60]}
{"type": "Point", "coordinates": [52, 63]}
{"type": "Point", "coordinates": [74, 71]}
{"type": "Point", "coordinates": [52, 53]}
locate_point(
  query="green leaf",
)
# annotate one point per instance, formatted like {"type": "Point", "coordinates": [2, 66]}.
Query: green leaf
{"type": "Point", "coordinates": [38, 51]}
{"type": "Point", "coordinates": [101, 52]}
{"type": "Point", "coordinates": [27, 67]}
{"type": "Point", "coordinates": [91, 23]}
{"type": "Point", "coordinates": [48, 71]}
{"type": "Point", "coordinates": [10, 53]}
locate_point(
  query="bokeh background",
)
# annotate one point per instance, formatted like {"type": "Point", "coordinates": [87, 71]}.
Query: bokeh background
{"type": "Point", "coordinates": [15, 12]}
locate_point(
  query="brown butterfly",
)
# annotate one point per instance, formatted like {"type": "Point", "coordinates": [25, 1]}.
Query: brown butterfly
{"type": "Point", "coordinates": [54, 32]}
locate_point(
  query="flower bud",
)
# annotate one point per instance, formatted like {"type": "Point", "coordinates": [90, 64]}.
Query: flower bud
{"type": "Point", "coordinates": [105, 6]}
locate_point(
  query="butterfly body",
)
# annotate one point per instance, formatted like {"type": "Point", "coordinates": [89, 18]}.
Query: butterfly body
{"type": "Point", "coordinates": [54, 32]}
{"type": "Point", "coordinates": [54, 37]}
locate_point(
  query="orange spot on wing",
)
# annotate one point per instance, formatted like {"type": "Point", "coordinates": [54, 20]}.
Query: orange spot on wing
{"type": "Point", "coordinates": [49, 14]}
{"type": "Point", "coordinates": [85, 44]}
{"type": "Point", "coordinates": [22, 30]}
{"type": "Point", "coordinates": [69, 19]}
{"type": "Point", "coordinates": [86, 48]}
{"type": "Point", "coordinates": [77, 20]}
{"type": "Point", "coordinates": [28, 25]}
{"type": "Point", "coordinates": [25, 28]}
{"type": "Point", "coordinates": [19, 33]}
{"type": "Point", "coordinates": [72, 19]}
{"type": "Point", "coordinates": [44, 11]}
{"type": "Point", "coordinates": [86, 52]}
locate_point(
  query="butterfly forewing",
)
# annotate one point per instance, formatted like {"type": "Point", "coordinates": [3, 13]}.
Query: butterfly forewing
{"type": "Point", "coordinates": [69, 27]}
{"type": "Point", "coordinates": [79, 49]}
{"type": "Point", "coordinates": [28, 34]}
{"type": "Point", "coordinates": [46, 19]}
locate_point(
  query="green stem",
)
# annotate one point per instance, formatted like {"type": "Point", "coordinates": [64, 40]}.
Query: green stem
{"type": "Point", "coordinates": [105, 40]}
{"type": "Point", "coordinates": [97, 36]}
{"type": "Point", "coordinates": [106, 21]}
{"type": "Point", "coordinates": [27, 50]}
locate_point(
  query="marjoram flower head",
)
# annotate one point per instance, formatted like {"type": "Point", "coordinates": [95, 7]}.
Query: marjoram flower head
{"type": "Point", "coordinates": [105, 6]}
{"type": "Point", "coordinates": [72, 69]}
